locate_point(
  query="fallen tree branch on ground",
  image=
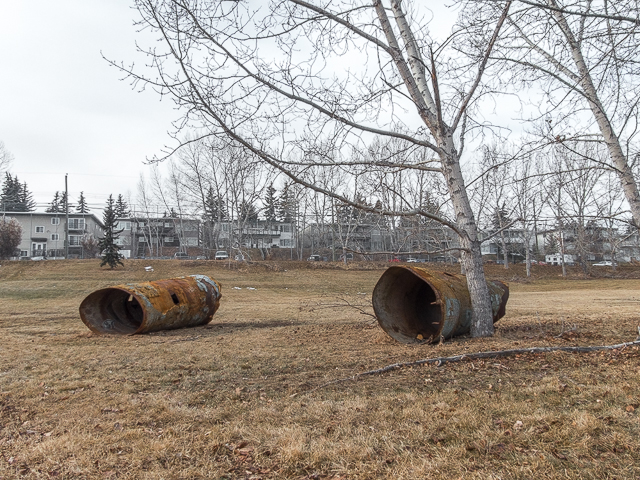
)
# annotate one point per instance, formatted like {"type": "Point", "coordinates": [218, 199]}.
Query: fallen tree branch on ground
{"type": "Point", "coordinates": [439, 361]}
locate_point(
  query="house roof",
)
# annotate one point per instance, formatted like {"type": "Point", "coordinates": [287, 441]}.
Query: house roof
{"type": "Point", "coordinates": [51, 214]}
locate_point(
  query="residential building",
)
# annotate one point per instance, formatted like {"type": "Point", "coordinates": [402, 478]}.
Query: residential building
{"type": "Point", "coordinates": [513, 239]}
{"type": "Point", "coordinates": [156, 236]}
{"type": "Point", "coordinates": [43, 233]}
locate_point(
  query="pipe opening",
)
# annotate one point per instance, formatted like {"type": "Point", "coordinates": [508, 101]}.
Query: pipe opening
{"type": "Point", "coordinates": [113, 311]}
{"type": "Point", "coordinates": [174, 297]}
{"type": "Point", "coordinates": [406, 307]}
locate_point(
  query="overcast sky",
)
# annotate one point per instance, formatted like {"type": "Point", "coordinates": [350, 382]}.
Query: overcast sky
{"type": "Point", "coordinates": [63, 108]}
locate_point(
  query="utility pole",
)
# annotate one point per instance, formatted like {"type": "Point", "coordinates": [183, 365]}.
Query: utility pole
{"type": "Point", "coordinates": [66, 213]}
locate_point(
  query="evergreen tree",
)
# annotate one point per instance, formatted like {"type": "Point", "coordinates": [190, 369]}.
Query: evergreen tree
{"type": "Point", "coordinates": [9, 195]}
{"type": "Point", "coordinates": [286, 205]}
{"type": "Point", "coordinates": [500, 217]}
{"type": "Point", "coordinates": [55, 205]}
{"type": "Point", "coordinates": [270, 204]}
{"type": "Point", "coordinates": [64, 203]}
{"type": "Point", "coordinates": [58, 204]}
{"type": "Point", "coordinates": [15, 196]}
{"type": "Point", "coordinates": [215, 207]}
{"type": "Point", "coordinates": [110, 251]}
{"type": "Point", "coordinates": [248, 212]}
{"type": "Point", "coordinates": [82, 206]}
{"type": "Point", "coordinates": [122, 208]}
{"type": "Point", "coordinates": [27, 202]}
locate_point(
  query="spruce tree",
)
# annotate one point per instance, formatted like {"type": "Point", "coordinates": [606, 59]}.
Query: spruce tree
{"type": "Point", "coordinates": [54, 206]}
{"type": "Point", "coordinates": [15, 196]}
{"type": "Point", "coordinates": [270, 204]}
{"type": "Point", "coordinates": [215, 207]}
{"type": "Point", "coordinates": [27, 203]}
{"type": "Point", "coordinates": [82, 206]}
{"type": "Point", "coordinates": [110, 251]}
{"type": "Point", "coordinates": [286, 205]}
{"type": "Point", "coordinates": [63, 203]}
{"type": "Point", "coordinates": [122, 208]}
{"type": "Point", "coordinates": [248, 212]}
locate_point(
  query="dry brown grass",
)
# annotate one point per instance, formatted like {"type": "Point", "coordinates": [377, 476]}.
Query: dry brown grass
{"type": "Point", "coordinates": [232, 399]}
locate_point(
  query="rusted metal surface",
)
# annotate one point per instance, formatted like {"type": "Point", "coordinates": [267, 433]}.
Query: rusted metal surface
{"type": "Point", "coordinates": [416, 305]}
{"type": "Point", "coordinates": [150, 306]}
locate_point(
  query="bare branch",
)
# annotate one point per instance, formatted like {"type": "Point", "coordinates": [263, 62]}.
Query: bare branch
{"type": "Point", "coordinates": [439, 361]}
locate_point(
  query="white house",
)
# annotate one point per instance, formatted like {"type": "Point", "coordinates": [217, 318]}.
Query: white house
{"type": "Point", "coordinates": [556, 259]}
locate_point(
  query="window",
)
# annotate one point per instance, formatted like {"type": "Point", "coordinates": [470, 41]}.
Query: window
{"type": "Point", "coordinates": [75, 240]}
{"type": "Point", "coordinates": [55, 236]}
{"type": "Point", "coordinates": [124, 226]}
{"type": "Point", "coordinates": [24, 253]}
{"type": "Point", "coordinates": [39, 229]}
{"type": "Point", "coordinates": [168, 239]}
{"type": "Point", "coordinates": [55, 221]}
{"type": "Point", "coordinates": [76, 224]}
{"type": "Point", "coordinates": [285, 242]}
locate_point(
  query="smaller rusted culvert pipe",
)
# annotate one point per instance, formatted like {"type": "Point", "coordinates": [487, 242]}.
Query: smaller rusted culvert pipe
{"type": "Point", "coordinates": [151, 306]}
{"type": "Point", "coordinates": [417, 305]}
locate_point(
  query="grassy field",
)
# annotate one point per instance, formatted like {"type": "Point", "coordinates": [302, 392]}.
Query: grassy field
{"type": "Point", "coordinates": [239, 398]}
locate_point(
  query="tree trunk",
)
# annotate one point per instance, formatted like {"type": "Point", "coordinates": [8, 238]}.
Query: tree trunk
{"type": "Point", "coordinates": [564, 265]}
{"type": "Point", "coordinates": [482, 322]}
{"type": "Point", "coordinates": [527, 252]}
{"type": "Point", "coordinates": [505, 252]}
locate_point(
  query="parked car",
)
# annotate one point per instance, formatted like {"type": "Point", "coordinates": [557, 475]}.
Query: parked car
{"type": "Point", "coordinates": [394, 259]}
{"type": "Point", "coordinates": [348, 256]}
{"type": "Point", "coordinates": [181, 256]}
{"type": "Point", "coordinates": [412, 260]}
{"type": "Point", "coordinates": [314, 258]}
{"type": "Point", "coordinates": [603, 264]}
{"type": "Point", "coordinates": [221, 255]}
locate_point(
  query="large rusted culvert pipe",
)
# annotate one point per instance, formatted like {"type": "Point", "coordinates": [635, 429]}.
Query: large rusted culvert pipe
{"type": "Point", "coordinates": [150, 306]}
{"type": "Point", "coordinates": [414, 305]}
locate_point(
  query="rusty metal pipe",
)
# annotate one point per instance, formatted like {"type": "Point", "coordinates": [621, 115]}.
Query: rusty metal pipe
{"type": "Point", "coordinates": [416, 305]}
{"type": "Point", "coordinates": [151, 306]}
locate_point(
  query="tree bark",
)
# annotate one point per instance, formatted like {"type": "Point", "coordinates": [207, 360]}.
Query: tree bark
{"type": "Point", "coordinates": [482, 322]}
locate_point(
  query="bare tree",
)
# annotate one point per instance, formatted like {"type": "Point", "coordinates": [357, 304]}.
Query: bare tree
{"type": "Point", "coordinates": [610, 214]}
{"type": "Point", "coordinates": [145, 217]}
{"type": "Point", "coordinates": [6, 158]}
{"type": "Point", "coordinates": [273, 80]}
{"type": "Point", "coordinates": [497, 205]}
{"type": "Point", "coordinates": [584, 58]}
{"type": "Point", "coordinates": [581, 181]}
{"type": "Point", "coordinates": [527, 186]}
